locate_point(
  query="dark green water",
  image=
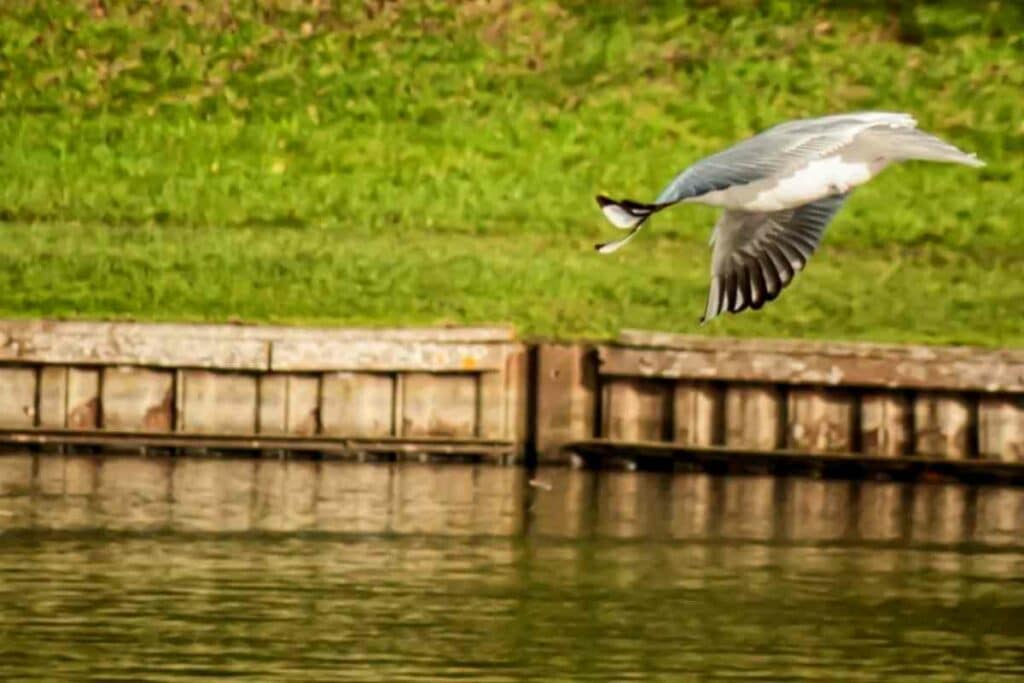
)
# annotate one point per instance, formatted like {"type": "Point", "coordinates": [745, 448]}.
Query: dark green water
{"type": "Point", "coordinates": [154, 569]}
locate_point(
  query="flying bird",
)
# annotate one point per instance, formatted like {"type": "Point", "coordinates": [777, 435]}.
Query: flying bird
{"type": "Point", "coordinates": [780, 189]}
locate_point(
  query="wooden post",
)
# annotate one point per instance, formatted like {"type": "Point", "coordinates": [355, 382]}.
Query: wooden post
{"type": "Point", "coordinates": [17, 397]}
{"type": "Point", "coordinates": [303, 411]}
{"type": "Point", "coordinates": [636, 409]}
{"type": "Point", "coordinates": [217, 402]}
{"type": "Point", "coordinates": [942, 425]}
{"type": "Point", "coordinates": [516, 398]}
{"type": "Point", "coordinates": [53, 396]}
{"type": "Point", "coordinates": [752, 417]}
{"type": "Point", "coordinates": [698, 414]}
{"type": "Point", "coordinates": [83, 398]}
{"type": "Point", "coordinates": [272, 414]}
{"type": "Point", "coordinates": [566, 398]}
{"type": "Point", "coordinates": [357, 404]}
{"type": "Point", "coordinates": [289, 404]}
{"type": "Point", "coordinates": [138, 399]}
{"type": "Point", "coordinates": [1001, 428]}
{"type": "Point", "coordinates": [435, 404]}
{"type": "Point", "coordinates": [820, 419]}
{"type": "Point", "coordinates": [68, 397]}
{"type": "Point", "coordinates": [885, 423]}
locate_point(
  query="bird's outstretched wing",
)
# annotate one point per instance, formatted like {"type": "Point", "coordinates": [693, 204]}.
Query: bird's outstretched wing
{"type": "Point", "coordinates": [777, 151]}
{"type": "Point", "coordinates": [757, 254]}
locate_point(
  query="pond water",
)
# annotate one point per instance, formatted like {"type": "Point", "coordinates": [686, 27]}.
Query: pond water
{"type": "Point", "coordinates": [130, 568]}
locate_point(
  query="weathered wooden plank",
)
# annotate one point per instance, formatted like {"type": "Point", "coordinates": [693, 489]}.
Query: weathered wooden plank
{"type": "Point", "coordinates": [1001, 428]}
{"type": "Point", "coordinates": [53, 396]}
{"type": "Point", "coordinates": [942, 425]}
{"type": "Point", "coordinates": [503, 397]}
{"type": "Point", "coordinates": [670, 340]}
{"type": "Point", "coordinates": [22, 330]}
{"type": "Point", "coordinates": [637, 409]}
{"type": "Point", "coordinates": [518, 390]}
{"type": "Point", "coordinates": [137, 399]}
{"type": "Point", "coordinates": [436, 404]}
{"type": "Point", "coordinates": [823, 364]}
{"type": "Point", "coordinates": [820, 419]}
{"type": "Point", "coordinates": [303, 411]}
{"type": "Point", "coordinates": [217, 402]}
{"type": "Point", "coordinates": [698, 414]}
{"type": "Point", "coordinates": [566, 395]}
{"type": "Point", "coordinates": [752, 417]}
{"type": "Point", "coordinates": [442, 447]}
{"type": "Point", "coordinates": [357, 404]}
{"type": "Point", "coordinates": [289, 404]}
{"type": "Point", "coordinates": [131, 347]}
{"type": "Point", "coordinates": [272, 413]}
{"type": "Point", "coordinates": [492, 409]}
{"type": "Point", "coordinates": [83, 399]}
{"type": "Point", "coordinates": [17, 397]}
{"type": "Point", "coordinates": [244, 347]}
{"type": "Point", "coordinates": [304, 355]}
{"type": "Point", "coordinates": [498, 394]}
{"type": "Point", "coordinates": [885, 423]}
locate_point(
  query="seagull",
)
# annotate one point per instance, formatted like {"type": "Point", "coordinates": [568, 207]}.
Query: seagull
{"type": "Point", "coordinates": [780, 189]}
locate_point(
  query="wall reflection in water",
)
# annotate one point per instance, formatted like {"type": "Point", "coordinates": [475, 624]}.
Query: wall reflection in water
{"type": "Point", "coordinates": [197, 494]}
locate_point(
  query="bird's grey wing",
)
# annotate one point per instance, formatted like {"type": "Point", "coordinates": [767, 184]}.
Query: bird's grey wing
{"type": "Point", "coordinates": [775, 152]}
{"type": "Point", "coordinates": [906, 144]}
{"type": "Point", "coordinates": [760, 157]}
{"type": "Point", "coordinates": [757, 254]}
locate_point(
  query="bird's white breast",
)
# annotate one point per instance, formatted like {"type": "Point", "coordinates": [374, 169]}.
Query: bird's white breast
{"type": "Point", "coordinates": [815, 180]}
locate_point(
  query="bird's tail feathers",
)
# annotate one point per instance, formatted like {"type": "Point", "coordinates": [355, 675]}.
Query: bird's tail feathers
{"type": "Point", "coordinates": [625, 214]}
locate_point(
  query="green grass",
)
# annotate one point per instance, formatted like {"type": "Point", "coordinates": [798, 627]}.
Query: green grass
{"type": "Point", "coordinates": [421, 162]}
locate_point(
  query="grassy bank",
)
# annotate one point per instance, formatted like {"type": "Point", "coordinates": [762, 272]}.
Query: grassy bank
{"type": "Point", "coordinates": [393, 163]}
